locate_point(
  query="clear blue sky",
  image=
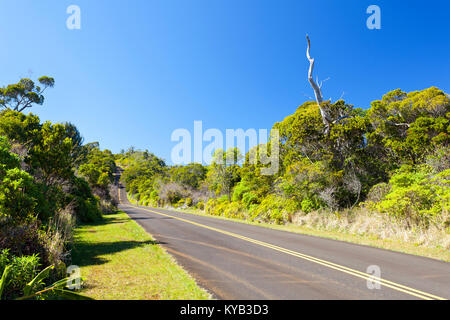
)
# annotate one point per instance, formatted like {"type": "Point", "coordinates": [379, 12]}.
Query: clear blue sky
{"type": "Point", "coordinates": [139, 69]}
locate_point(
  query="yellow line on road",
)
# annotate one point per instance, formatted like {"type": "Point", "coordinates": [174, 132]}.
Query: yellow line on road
{"type": "Point", "coordinates": [356, 273]}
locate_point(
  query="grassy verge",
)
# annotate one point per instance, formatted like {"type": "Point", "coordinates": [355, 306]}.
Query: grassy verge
{"type": "Point", "coordinates": [120, 261]}
{"type": "Point", "coordinates": [364, 239]}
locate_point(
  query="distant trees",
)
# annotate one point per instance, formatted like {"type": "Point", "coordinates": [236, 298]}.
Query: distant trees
{"type": "Point", "coordinates": [98, 169]}
{"type": "Point", "coordinates": [190, 175]}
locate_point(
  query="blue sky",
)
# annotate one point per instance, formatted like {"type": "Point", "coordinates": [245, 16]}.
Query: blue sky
{"type": "Point", "coordinates": [139, 69]}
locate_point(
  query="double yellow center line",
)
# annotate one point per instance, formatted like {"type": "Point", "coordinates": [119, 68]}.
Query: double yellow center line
{"type": "Point", "coordinates": [331, 265]}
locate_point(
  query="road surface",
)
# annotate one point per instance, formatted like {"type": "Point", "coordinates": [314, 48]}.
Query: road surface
{"type": "Point", "coordinates": [235, 260]}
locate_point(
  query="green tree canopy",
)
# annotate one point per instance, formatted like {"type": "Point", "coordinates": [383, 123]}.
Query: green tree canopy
{"type": "Point", "coordinates": [25, 93]}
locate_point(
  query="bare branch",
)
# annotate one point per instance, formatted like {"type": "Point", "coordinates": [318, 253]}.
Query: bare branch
{"type": "Point", "coordinates": [400, 124]}
{"type": "Point", "coordinates": [317, 90]}
{"type": "Point", "coordinates": [322, 82]}
{"type": "Point", "coordinates": [309, 97]}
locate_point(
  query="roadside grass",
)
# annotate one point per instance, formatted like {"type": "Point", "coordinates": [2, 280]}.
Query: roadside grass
{"type": "Point", "coordinates": [120, 261]}
{"type": "Point", "coordinates": [363, 239]}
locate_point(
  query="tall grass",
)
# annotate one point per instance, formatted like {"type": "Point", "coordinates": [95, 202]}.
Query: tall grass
{"type": "Point", "coordinates": [59, 236]}
{"type": "Point", "coordinates": [363, 221]}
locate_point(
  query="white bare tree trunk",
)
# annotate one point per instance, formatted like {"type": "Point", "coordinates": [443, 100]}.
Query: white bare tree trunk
{"type": "Point", "coordinates": [317, 89]}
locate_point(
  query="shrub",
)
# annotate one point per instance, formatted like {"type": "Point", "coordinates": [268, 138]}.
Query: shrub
{"type": "Point", "coordinates": [22, 270]}
{"type": "Point", "coordinates": [172, 193]}
{"type": "Point", "coordinates": [18, 196]}
{"type": "Point", "coordinates": [310, 204]}
{"type": "Point", "coordinates": [276, 216]}
{"type": "Point", "coordinates": [232, 210]}
{"type": "Point", "coordinates": [200, 205]}
{"type": "Point", "coordinates": [180, 203]}
{"type": "Point", "coordinates": [239, 191]}
{"type": "Point", "coordinates": [249, 198]}
{"type": "Point", "coordinates": [223, 198]}
{"type": "Point", "coordinates": [4, 259]}
{"type": "Point", "coordinates": [24, 239]}
{"type": "Point", "coordinates": [417, 194]}
{"type": "Point", "coordinates": [154, 195]}
{"type": "Point", "coordinates": [378, 192]}
{"type": "Point", "coordinates": [87, 210]}
{"type": "Point", "coordinates": [275, 209]}
{"type": "Point", "coordinates": [85, 205]}
{"type": "Point", "coordinates": [210, 206]}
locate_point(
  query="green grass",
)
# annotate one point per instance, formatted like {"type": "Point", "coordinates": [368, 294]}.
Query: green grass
{"type": "Point", "coordinates": [120, 261]}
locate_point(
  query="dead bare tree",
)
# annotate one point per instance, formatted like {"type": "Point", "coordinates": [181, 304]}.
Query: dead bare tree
{"type": "Point", "coordinates": [317, 87]}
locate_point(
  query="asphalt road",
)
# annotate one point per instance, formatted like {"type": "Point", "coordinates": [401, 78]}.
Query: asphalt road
{"type": "Point", "coordinates": [239, 261]}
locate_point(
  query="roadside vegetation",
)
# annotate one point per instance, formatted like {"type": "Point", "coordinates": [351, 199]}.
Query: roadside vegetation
{"type": "Point", "coordinates": [381, 173]}
{"type": "Point", "coordinates": [119, 261]}
{"type": "Point", "coordinates": [49, 182]}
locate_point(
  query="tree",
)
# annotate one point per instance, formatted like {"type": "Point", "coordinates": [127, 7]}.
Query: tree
{"type": "Point", "coordinates": [98, 169]}
{"type": "Point", "coordinates": [78, 152]}
{"type": "Point", "coordinates": [8, 160]}
{"type": "Point", "coordinates": [190, 175]}
{"type": "Point", "coordinates": [317, 88]}
{"type": "Point", "coordinates": [407, 126]}
{"type": "Point", "coordinates": [18, 196]}
{"type": "Point", "coordinates": [18, 192]}
{"type": "Point", "coordinates": [24, 94]}
{"type": "Point", "coordinates": [224, 172]}
{"type": "Point", "coordinates": [327, 118]}
{"type": "Point", "coordinates": [50, 159]}
{"type": "Point", "coordinates": [20, 128]}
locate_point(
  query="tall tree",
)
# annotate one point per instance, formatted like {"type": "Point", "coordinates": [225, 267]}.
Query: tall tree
{"type": "Point", "coordinates": [25, 93]}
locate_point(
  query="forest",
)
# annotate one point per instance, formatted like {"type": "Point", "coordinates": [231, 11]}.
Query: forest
{"type": "Point", "coordinates": [382, 171]}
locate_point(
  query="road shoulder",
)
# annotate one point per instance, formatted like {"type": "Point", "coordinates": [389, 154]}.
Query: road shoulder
{"type": "Point", "coordinates": [120, 261]}
{"type": "Point", "coordinates": [362, 239]}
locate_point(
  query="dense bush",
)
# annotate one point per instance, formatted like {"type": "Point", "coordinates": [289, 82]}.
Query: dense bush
{"type": "Point", "coordinates": [417, 194]}
{"type": "Point", "coordinates": [24, 239]}
{"type": "Point", "coordinates": [43, 187]}
{"type": "Point", "coordinates": [85, 205]}
{"type": "Point", "coordinates": [22, 270]}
